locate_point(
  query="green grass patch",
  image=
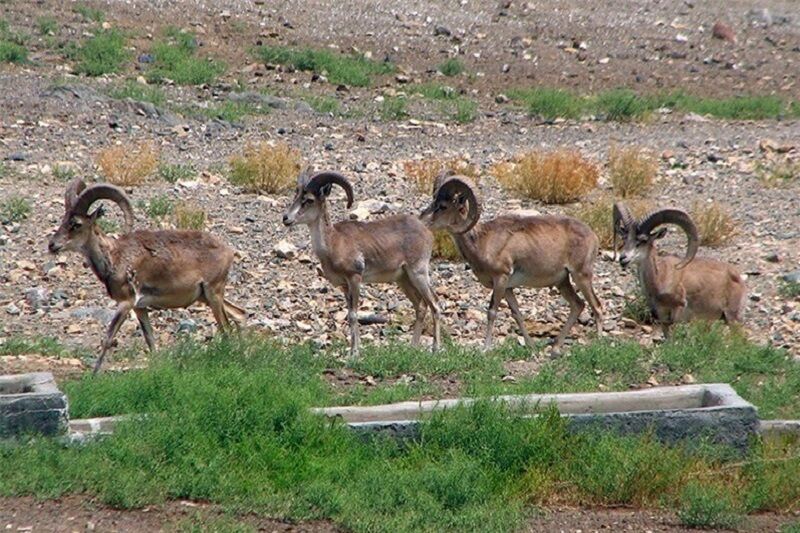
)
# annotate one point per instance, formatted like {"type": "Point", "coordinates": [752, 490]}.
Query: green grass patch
{"type": "Point", "coordinates": [173, 173]}
{"type": "Point", "coordinates": [789, 289]}
{"type": "Point", "coordinates": [227, 110]}
{"type": "Point", "coordinates": [626, 105]}
{"type": "Point", "coordinates": [41, 345]}
{"type": "Point", "coordinates": [88, 13]}
{"type": "Point", "coordinates": [463, 110]}
{"type": "Point", "coordinates": [103, 53]}
{"type": "Point", "coordinates": [338, 68]}
{"type": "Point", "coordinates": [393, 108]}
{"type": "Point", "coordinates": [175, 58]}
{"type": "Point", "coordinates": [158, 207]}
{"type": "Point", "coordinates": [323, 104]}
{"type": "Point", "coordinates": [228, 424]}
{"type": "Point", "coordinates": [434, 91]}
{"type": "Point", "coordinates": [47, 25]}
{"type": "Point", "coordinates": [15, 208]}
{"type": "Point", "coordinates": [708, 506]}
{"type": "Point", "coordinates": [451, 67]}
{"type": "Point", "coordinates": [139, 92]}
{"type": "Point", "coordinates": [12, 52]}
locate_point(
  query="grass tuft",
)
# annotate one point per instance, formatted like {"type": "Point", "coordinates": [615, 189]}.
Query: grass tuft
{"type": "Point", "coordinates": [632, 171]}
{"type": "Point", "coordinates": [177, 172]}
{"type": "Point", "coordinates": [127, 165]}
{"type": "Point", "coordinates": [557, 177]}
{"type": "Point", "coordinates": [157, 208]}
{"type": "Point", "coordinates": [47, 25]}
{"type": "Point", "coordinates": [597, 214]}
{"type": "Point", "coordinates": [266, 168]}
{"type": "Point", "coordinates": [88, 13]}
{"type": "Point", "coordinates": [549, 104]}
{"type": "Point", "coordinates": [715, 224]}
{"type": "Point", "coordinates": [104, 53]}
{"type": "Point", "coordinates": [423, 172]}
{"type": "Point", "coordinates": [708, 506]}
{"type": "Point", "coordinates": [175, 59]}
{"type": "Point", "coordinates": [789, 289]}
{"type": "Point", "coordinates": [138, 92]}
{"type": "Point", "coordinates": [15, 208]}
{"type": "Point", "coordinates": [11, 52]}
{"type": "Point", "coordinates": [189, 216]}
{"type": "Point", "coordinates": [451, 67]}
{"type": "Point", "coordinates": [340, 69]}
{"type": "Point", "coordinates": [779, 173]}
{"type": "Point", "coordinates": [394, 108]}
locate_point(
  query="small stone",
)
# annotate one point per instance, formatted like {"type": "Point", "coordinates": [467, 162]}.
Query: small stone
{"type": "Point", "coordinates": [187, 325]}
{"type": "Point", "coordinates": [792, 277]}
{"type": "Point", "coordinates": [773, 258]}
{"type": "Point", "coordinates": [653, 382]}
{"type": "Point", "coordinates": [688, 379]}
{"type": "Point", "coordinates": [722, 31]}
{"type": "Point", "coordinates": [509, 379]}
{"type": "Point", "coordinates": [285, 250]}
{"type": "Point", "coordinates": [36, 296]}
{"type": "Point", "coordinates": [12, 309]}
{"type": "Point", "coordinates": [442, 30]}
{"type": "Point", "coordinates": [501, 99]}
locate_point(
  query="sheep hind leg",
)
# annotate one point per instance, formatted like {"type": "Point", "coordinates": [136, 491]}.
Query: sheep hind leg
{"type": "Point", "coordinates": [420, 308]}
{"type": "Point", "coordinates": [576, 305]}
{"type": "Point", "coordinates": [217, 304]}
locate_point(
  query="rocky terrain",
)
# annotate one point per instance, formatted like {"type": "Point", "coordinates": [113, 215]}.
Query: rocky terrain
{"type": "Point", "coordinates": [51, 119]}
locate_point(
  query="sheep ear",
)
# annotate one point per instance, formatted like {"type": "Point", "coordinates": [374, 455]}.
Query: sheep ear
{"type": "Point", "coordinates": [97, 213]}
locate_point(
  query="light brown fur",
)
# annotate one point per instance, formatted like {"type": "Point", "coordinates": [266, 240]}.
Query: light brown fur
{"type": "Point", "coordinates": [523, 251]}
{"type": "Point", "coordinates": [144, 270]}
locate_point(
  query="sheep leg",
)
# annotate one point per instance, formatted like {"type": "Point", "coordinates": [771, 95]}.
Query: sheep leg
{"type": "Point", "coordinates": [584, 284]}
{"type": "Point", "coordinates": [498, 290]}
{"type": "Point", "coordinates": [420, 308]}
{"type": "Point", "coordinates": [123, 310]}
{"type": "Point", "coordinates": [576, 305]}
{"type": "Point", "coordinates": [420, 280]}
{"type": "Point", "coordinates": [515, 312]}
{"type": "Point", "coordinates": [353, 294]}
{"type": "Point", "coordinates": [147, 328]}
{"type": "Point", "coordinates": [217, 304]}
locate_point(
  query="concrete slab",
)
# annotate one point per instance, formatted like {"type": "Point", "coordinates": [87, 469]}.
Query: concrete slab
{"type": "Point", "coordinates": [31, 403]}
{"type": "Point", "coordinates": [673, 414]}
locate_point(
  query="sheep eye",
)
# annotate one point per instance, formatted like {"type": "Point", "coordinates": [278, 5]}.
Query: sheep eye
{"type": "Point", "coordinates": [75, 224]}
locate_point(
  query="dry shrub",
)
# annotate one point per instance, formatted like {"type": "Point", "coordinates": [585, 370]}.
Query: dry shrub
{"type": "Point", "coordinates": [423, 173]}
{"type": "Point", "coordinates": [444, 247]}
{"type": "Point", "coordinates": [127, 165]}
{"type": "Point", "coordinates": [779, 172]}
{"type": "Point", "coordinates": [714, 223]}
{"type": "Point", "coordinates": [557, 177]}
{"type": "Point", "coordinates": [189, 216]}
{"type": "Point", "coordinates": [597, 214]}
{"type": "Point", "coordinates": [266, 168]}
{"type": "Point", "coordinates": [632, 171]}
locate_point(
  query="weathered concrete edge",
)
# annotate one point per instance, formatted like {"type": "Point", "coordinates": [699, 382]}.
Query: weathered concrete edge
{"type": "Point", "coordinates": [780, 427]}
{"type": "Point", "coordinates": [715, 396]}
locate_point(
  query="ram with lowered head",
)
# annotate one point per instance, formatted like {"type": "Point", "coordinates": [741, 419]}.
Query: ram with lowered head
{"type": "Point", "coordinates": [517, 251]}
{"type": "Point", "coordinates": [395, 249]}
{"type": "Point", "coordinates": [677, 289]}
{"type": "Point", "coordinates": [144, 270]}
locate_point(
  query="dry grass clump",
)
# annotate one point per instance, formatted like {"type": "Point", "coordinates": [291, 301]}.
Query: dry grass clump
{"type": "Point", "coordinates": [266, 168]}
{"type": "Point", "coordinates": [423, 173]}
{"type": "Point", "coordinates": [444, 248]}
{"type": "Point", "coordinates": [597, 214]}
{"type": "Point", "coordinates": [557, 177]}
{"type": "Point", "coordinates": [189, 216]}
{"type": "Point", "coordinates": [779, 172]}
{"type": "Point", "coordinates": [632, 171]}
{"type": "Point", "coordinates": [714, 223]}
{"type": "Point", "coordinates": [127, 165]}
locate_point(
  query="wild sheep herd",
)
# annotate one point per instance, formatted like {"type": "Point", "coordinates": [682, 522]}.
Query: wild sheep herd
{"type": "Point", "coordinates": [146, 269]}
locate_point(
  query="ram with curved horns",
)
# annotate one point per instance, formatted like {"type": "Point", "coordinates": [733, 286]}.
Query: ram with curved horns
{"type": "Point", "coordinates": [395, 249]}
{"type": "Point", "coordinates": [517, 251]}
{"type": "Point", "coordinates": [144, 270]}
{"type": "Point", "coordinates": [677, 289]}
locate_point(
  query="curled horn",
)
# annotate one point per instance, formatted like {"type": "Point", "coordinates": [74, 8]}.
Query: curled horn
{"type": "Point", "coordinates": [622, 222]}
{"type": "Point", "coordinates": [461, 185]}
{"type": "Point", "coordinates": [319, 180]}
{"type": "Point", "coordinates": [680, 219]}
{"type": "Point", "coordinates": [440, 179]}
{"type": "Point", "coordinates": [105, 192]}
{"type": "Point", "coordinates": [74, 188]}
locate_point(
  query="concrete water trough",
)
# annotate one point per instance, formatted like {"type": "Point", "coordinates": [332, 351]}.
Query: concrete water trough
{"type": "Point", "coordinates": [673, 414]}
{"type": "Point", "coordinates": [31, 404]}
